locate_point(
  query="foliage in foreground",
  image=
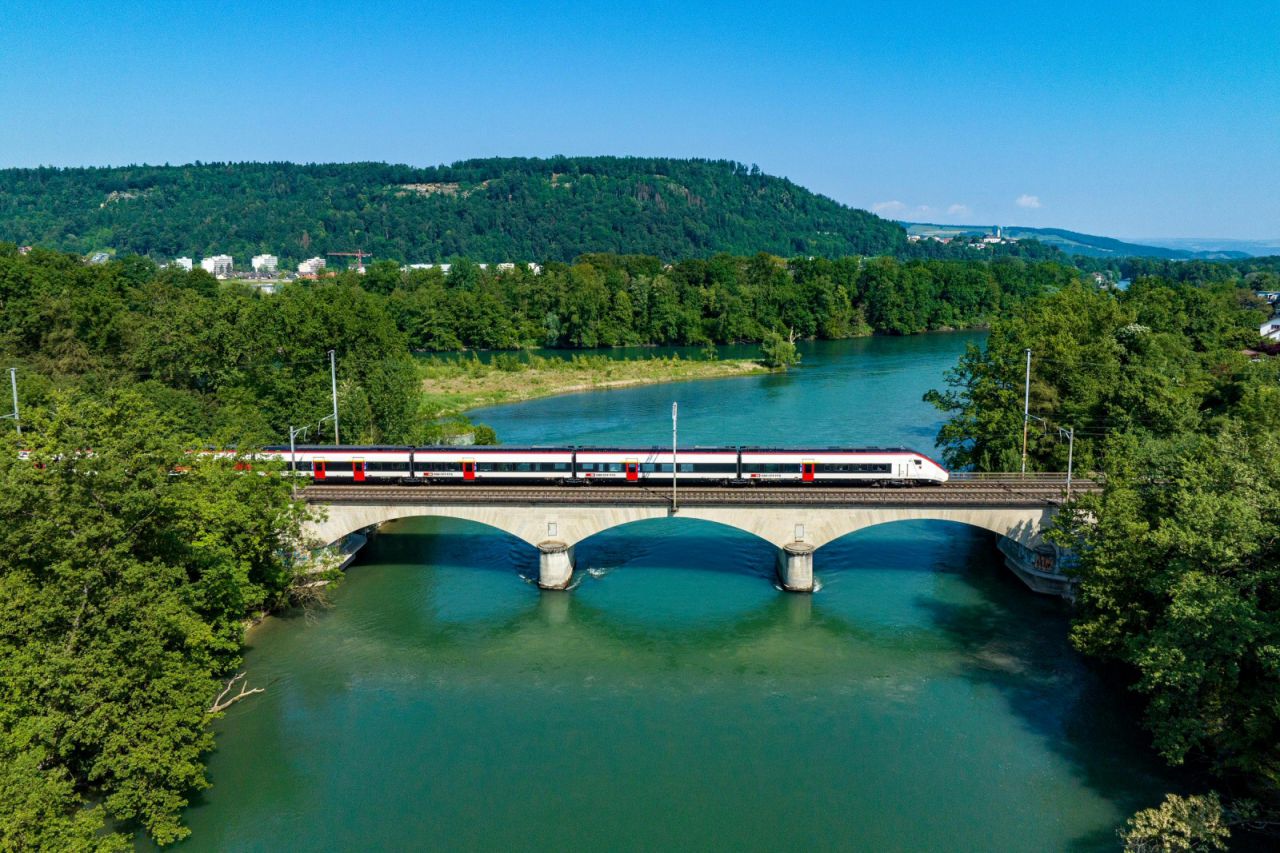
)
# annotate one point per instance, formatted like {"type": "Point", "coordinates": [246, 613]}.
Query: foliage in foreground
{"type": "Point", "coordinates": [1178, 825]}
{"type": "Point", "coordinates": [123, 589]}
{"type": "Point", "coordinates": [1180, 581]}
{"type": "Point", "coordinates": [1179, 557]}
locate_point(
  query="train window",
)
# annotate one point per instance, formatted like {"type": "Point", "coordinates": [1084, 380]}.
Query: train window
{"type": "Point", "coordinates": [436, 465]}
{"type": "Point", "coordinates": [587, 466]}
{"type": "Point", "coordinates": [766, 468]}
{"type": "Point", "coordinates": [686, 467]}
{"type": "Point", "coordinates": [615, 466]}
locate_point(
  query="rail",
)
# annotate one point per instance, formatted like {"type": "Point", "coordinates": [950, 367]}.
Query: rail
{"type": "Point", "coordinates": [1019, 477]}
{"type": "Point", "coordinates": [986, 492]}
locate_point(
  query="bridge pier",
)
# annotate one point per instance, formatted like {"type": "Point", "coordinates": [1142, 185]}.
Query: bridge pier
{"type": "Point", "coordinates": [795, 567]}
{"type": "Point", "coordinates": [555, 564]}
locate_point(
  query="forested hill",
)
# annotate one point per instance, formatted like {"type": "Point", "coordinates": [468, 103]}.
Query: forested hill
{"type": "Point", "coordinates": [508, 209]}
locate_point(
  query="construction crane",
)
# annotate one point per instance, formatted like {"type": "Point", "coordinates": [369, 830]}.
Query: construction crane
{"type": "Point", "coordinates": [358, 254]}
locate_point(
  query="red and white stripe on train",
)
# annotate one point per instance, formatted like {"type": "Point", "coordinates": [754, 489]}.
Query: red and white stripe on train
{"type": "Point", "coordinates": [616, 466]}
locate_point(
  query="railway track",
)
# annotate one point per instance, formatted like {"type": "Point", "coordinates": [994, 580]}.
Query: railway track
{"type": "Point", "coordinates": [992, 492]}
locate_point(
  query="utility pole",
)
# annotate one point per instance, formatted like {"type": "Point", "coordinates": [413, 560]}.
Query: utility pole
{"type": "Point", "coordinates": [675, 507]}
{"type": "Point", "coordinates": [333, 380]}
{"type": "Point", "coordinates": [13, 381]}
{"type": "Point", "coordinates": [1071, 451]}
{"type": "Point", "coordinates": [1026, 411]}
{"type": "Point", "coordinates": [294, 432]}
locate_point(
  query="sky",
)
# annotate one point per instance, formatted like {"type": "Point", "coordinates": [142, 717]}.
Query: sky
{"type": "Point", "coordinates": [1120, 118]}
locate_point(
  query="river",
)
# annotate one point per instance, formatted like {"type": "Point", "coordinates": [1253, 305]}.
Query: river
{"type": "Point", "coordinates": [675, 699]}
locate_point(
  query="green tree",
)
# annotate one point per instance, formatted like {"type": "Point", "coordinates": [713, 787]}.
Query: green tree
{"type": "Point", "coordinates": [1179, 569]}
{"type": "Point", "coordinates": [1194, 824]}
{"type": "Point", "coordinates": [778, 353]}
{"type": "Point", "coordinates": [122, 590]}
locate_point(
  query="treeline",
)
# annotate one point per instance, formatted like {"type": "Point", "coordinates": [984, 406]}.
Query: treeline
{"type": "Point", "coordinates": [1179, 557]}
{"type": "Point", "coordinates": [612, 300]}
{"type": "Point", "coordinates": [225, 364]}
{"type": "Point", "coordinates": [494, 209]}
{"type": "Point", "coordinates": [240, 368]}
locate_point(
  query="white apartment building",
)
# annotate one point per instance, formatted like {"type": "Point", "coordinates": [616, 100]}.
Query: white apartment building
{"type": "Point", "coordinates": [218, 266]}
{"type": "Point", "coordinates": [265, 264]}
{"type": "Point", "coordinates": [182, 263]}
{"type": "Point", "coordinates": [311, 266]}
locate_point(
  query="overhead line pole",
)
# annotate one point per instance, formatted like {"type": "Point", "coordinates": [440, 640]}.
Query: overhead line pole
{"type": "Point", "coordinates": [333, 380]}
{"type": "Point", "coordinates": [1026, 411]}
{"type": "Point", "coordinates": [675, 507]}
{"type": "Point", "coordinates": [1071, 451]}
{"type": "Point", "coordinates": [13, 381]}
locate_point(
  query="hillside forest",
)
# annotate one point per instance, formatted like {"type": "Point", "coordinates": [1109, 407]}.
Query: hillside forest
{"type": "Point", "coordinates": [497, 209]}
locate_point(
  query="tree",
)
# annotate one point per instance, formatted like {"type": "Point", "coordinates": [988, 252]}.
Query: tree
{"type": "Point", "coordinates": [1179, 824]}
{"type": "Point", "coordinates": [123, 586]}
{"type": "Point", "coordinates": [1179, 568]}
{"type": "Point", "coordinates": [779, 353]}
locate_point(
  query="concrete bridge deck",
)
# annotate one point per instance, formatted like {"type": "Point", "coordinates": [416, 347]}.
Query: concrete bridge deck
{"type": "Point", "coordinates": [797, 519]}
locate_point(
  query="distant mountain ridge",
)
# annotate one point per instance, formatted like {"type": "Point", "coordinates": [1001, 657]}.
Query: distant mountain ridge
{"type": "Point", "coordinates": [518, 209]}
{"type": "Point", "coordinates": [1076, 243]}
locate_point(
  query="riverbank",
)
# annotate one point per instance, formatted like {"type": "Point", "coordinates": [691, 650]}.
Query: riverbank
{"type": "Point", "coordinates": [451, 387]}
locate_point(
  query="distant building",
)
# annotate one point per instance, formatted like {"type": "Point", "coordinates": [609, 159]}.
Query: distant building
{"type": "Point", "coordinates": [24, 250]}
{"type": "Point", "coordinates": [311, 266]}
{"type": "Point", "coordinates": [99, 258]}
{"type": "Point", "coordinates": [181, 263]}
{"type": "Point", "coordinates": [265, 264]}
{"type": "Point", "coordinates": [219, 266]}
{"type": "Point", "coordinates": [1270, 329]}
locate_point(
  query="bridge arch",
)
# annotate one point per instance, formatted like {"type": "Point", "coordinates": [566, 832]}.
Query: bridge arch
{"type": "Point", "coordinates": [797, 529]}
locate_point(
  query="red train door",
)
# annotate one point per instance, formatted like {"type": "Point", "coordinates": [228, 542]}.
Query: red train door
{"type": "Point", "coordinates": [806, 470]}
{"type": "Point", "coordinates": [633, 470]}
{"type": "Point", "coordinates": [468, 469]}
{"type": "Point", "coordinates": [357, 470]}
{"type": "Point", "coordinates": [319, 469]}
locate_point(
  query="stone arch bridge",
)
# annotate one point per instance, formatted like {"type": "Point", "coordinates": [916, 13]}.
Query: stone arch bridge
{"type": "Point", "coordinates": [796, 520]}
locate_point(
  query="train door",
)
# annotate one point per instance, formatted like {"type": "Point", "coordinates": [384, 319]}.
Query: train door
{"type": "Point", "coordinates": [357, 470]}
{"type": "Point", "coordinates": [633, 470]}
{"type": "Point", "coordinates": [468, 469]}
{"type": "Point", "coordinates": [318, 465]}
{"type": "Point", "coordinates": [902, 470]}
{"type": "Point", "coordinates": [806, 470]}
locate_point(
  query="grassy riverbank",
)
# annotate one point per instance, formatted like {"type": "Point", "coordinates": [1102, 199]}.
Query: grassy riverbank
{"type": "Point", "coordinates": [450, 387]}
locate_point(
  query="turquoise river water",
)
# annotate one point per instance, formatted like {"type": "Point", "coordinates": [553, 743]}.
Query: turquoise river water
{"type": "Point", "coordinates": [676, 699]}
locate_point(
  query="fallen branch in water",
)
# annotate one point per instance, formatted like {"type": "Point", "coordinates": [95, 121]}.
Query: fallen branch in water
{"type": "Point", "coordinates": [222, 703]}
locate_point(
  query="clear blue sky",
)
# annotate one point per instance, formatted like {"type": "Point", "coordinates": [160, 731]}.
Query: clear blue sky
{"type": "Point", "coordinates": [1121, 118]}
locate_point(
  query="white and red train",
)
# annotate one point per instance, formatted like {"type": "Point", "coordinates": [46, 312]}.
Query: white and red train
{"type": "Point", "coordinates": [832, 466]}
